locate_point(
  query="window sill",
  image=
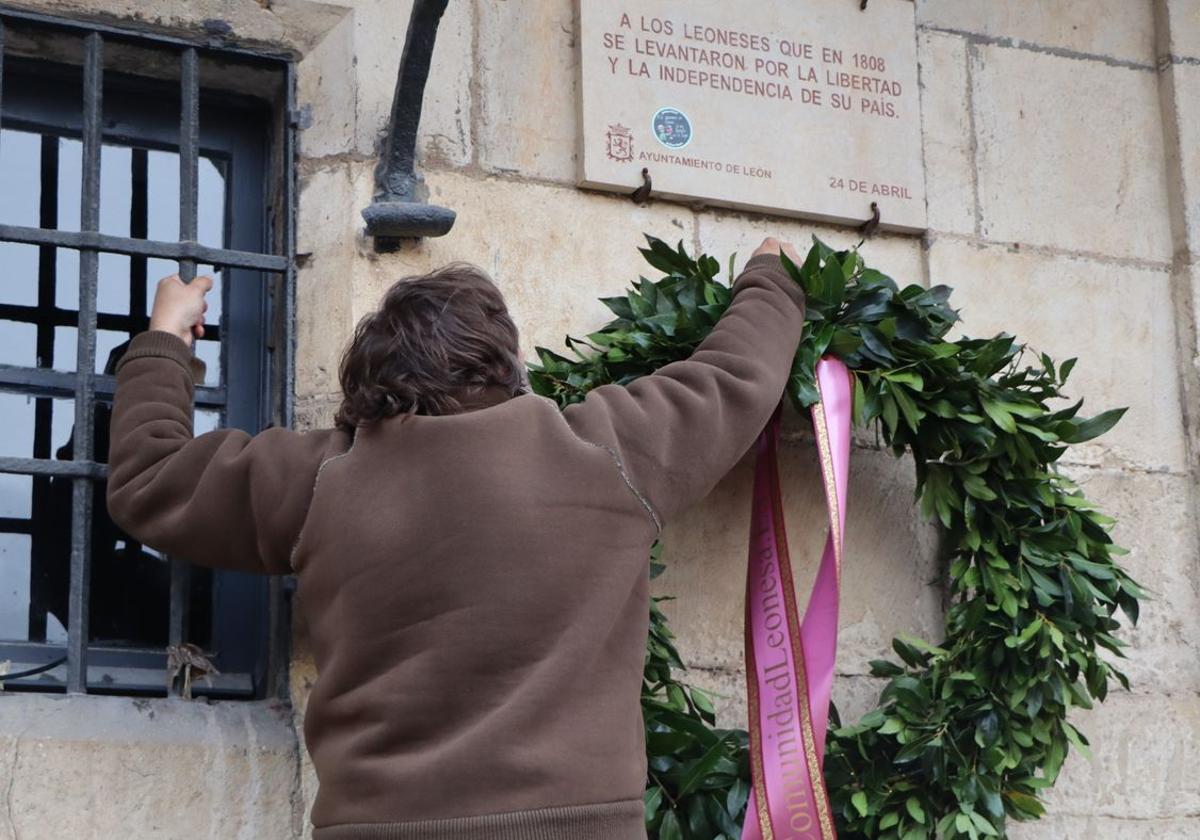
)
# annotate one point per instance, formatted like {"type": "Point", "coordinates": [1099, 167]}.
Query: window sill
{"type": "Point", "coordinates": [99, 766]}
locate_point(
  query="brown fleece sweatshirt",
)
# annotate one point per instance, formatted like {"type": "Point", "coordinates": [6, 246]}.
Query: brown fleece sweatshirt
{"type": "Point", "coordinates": [475, 585]}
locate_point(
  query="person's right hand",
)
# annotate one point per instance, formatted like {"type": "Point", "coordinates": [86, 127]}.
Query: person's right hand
{"type": "Point", "coordinates": [771, 245]}
{"type": "Point", "coordinates": [179, 307]}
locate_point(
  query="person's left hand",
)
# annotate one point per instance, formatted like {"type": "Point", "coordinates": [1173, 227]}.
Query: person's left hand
{"type": "Point", "coordinates": [179, 307]}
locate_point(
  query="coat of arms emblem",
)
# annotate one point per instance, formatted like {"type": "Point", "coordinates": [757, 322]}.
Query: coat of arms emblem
{"type": "Point", "coordinates": [620, 143]}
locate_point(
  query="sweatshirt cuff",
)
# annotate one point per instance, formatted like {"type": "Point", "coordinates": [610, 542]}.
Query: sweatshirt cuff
{"type": "Point", "coordinates": [770, 266]}
{"type": "Point", "coordinates": [167, 345]}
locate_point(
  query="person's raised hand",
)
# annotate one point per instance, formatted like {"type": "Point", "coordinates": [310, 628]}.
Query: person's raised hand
{"type": "Point", "coordinates": [771, 245]}
{"type": "Point", "coordinates": [179, 307]}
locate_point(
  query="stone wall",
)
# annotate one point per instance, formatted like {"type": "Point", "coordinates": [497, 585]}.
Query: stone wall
{"type": "Point", "coordinates": [1062, 151]}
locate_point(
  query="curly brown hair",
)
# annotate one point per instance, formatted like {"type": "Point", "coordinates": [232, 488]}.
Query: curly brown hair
{"type": "Point", "coordinates": [435, 338]}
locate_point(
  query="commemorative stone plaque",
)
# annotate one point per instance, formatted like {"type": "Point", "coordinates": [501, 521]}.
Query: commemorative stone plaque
{"type": "Point", "coordinates": [803, 108]}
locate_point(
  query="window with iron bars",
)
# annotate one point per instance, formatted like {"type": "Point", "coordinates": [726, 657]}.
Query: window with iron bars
{"type": "Point", "coordinates": [126, 156]}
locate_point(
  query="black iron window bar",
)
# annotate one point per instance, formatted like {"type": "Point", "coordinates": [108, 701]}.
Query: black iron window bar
{"type": "Point", "coordinates": [84, 385]}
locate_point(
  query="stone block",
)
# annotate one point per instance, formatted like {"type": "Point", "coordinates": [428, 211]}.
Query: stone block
{"type": "Point", "coordinates": [326, 89]}
{"type": "Point", "coordinates": [316, 412]}
{"type": "Point", "coordinates": [1070, 154]}
{"type": "Point", "coordinates": [946, 132]}
{"type": "Point", "coordinates": [1182, 22]}
{"type": "Point", "coordinates": [889, 582]}
{"type": "Point", "coordinates": [1187, 275]}
{"type": "Point", "coordinates": [302, 676]}
{"type": "Point", "coordinates": [327, 216]}
{"type": "Point", "coordinates": [855, 695]}
{"type": "Point", "coordinates": [1143, 748]}
{"type": "Point", "coordinates": [380, 27]}
{"type": "Point", "coordinates": [721, 233]}
{"type": "Point", "coordinates": [528, 89]}
{"type": "Point", "coordinates": [727, 689]}
{"type": "Point", "coordinates": [553, 251]}
{"type": "Point", "coordinates": [1181, 106]}
{"type": "Point", "coordinates": [102, 767]}
{"type": "Point", "coordinates": [1155, 522]}
{"type": "Point", "coordinates": [1054, 827]}
{"type": "Point", "coordinates": [1117, 319]}
{"type": "Point", "coordinates": [295, 24]}
{"type": "Point", "coordinates": [1118, 29]}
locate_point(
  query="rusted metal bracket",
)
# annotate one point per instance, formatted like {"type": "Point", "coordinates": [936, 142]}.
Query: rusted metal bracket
{"type": "Point", "coordinates": [400, 209]}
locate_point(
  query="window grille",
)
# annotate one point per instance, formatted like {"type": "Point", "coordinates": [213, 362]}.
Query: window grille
{"type": "Point", "coordinates": [126, 156]}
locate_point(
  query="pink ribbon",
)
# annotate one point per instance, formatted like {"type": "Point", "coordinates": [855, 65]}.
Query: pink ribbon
{"type": "Point", "coordinates": [789, 663]}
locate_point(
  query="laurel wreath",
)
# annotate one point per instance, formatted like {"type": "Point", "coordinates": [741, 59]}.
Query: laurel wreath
{"type": "Point", "coordinates": [967, 733]}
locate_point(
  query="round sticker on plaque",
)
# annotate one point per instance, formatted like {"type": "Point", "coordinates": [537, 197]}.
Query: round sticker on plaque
{"type": "Point", "coordinates": [672, 128]}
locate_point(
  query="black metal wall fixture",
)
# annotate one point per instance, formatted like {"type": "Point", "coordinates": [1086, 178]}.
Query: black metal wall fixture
{"type": "Point", "coordinates": [400, 210]}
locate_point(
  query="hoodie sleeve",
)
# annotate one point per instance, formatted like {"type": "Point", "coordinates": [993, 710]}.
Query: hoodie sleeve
{"type": "Point", "coordinates": [676, 432]}
{"type": "Point", "coordinates": [225, 499]}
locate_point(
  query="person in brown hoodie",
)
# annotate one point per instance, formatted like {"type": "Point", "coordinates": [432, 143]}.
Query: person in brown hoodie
{"type": "Point", "coordinates": [472, 563]}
